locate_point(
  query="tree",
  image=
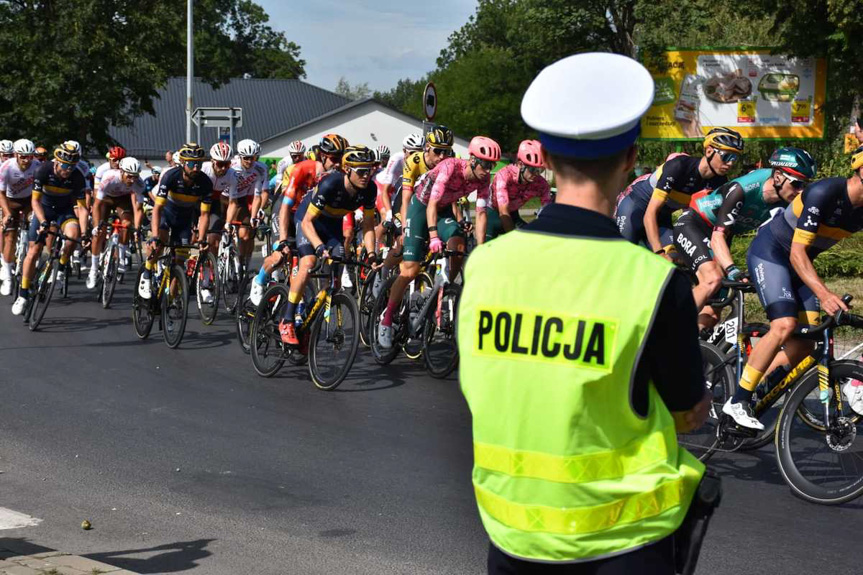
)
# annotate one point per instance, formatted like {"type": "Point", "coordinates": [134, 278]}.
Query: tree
{"type": "Point", "coordinates": [82, 66]}
{"type": "Point", "coordinates": [343, 88]}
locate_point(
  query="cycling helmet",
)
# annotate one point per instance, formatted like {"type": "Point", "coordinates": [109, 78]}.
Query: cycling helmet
{"type": "Point", "coordinates": [313, 153]}
{"type": "Point", "coordinates": [333, 144]}
{"type": "Point", "coordinates": [6, 147]}
{"type": "Point", "coordinates": [41, 153]}
{"type": "Point", "coordinates": [157, 170]}
{"type": "Point", "coordinates": [248, 148]}
{"type": "Point", "coordinates": [296, 147]}
{"type": "Point", "coordinates": [484, 148]}
{"type": "Point", "coordinates": [358, 157]}
{"type": "Point", "coordinates": [67, 154]}
{"type": "Point", "coordinates": [530, 152]}
{"type": "Point", "coordinates": [724, 139]}
{"type": "Point", "coordinates": [440, 137]}
{"type": "Point", "coordinates": [73, 145]}
{"type": "Point", "coordinates": [382, 153]}
{"type": "Point", "coordinates": [795, 162]}
{"type": "Point", "coordinates": [221, 152]}
{"type": "Point", "coordinates": [116, 153]}
{"type": "Point", "coordinates": [857, 158]}
{"type": "Point", "coordinates": [413, 142]}
{"type": "Point", "coordinates": [191, 152]}
{"type": "Point", "coordinates": [24, 147]}
{"type": "Point", "coordinates": [176, 157]}
{"type": "Point", "coordinates": [130, 165]}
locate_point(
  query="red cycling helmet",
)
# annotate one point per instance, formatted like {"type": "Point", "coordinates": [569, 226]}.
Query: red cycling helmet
{"type": "Point", "coordinates": [484, 148]}
{"type": "Point", "coordinates": [117, 153]}
{"type": "Point", "coordinates": [530, 152]}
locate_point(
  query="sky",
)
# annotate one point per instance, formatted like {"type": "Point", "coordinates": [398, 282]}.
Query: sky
{"type": "Point", "coordinates": [379, 42]}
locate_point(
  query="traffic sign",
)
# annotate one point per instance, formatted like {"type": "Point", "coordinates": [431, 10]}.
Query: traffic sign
{"type": "Point", "coordinates": [430, 101]}
{"type": "Point", "coordinates": [218, 117]}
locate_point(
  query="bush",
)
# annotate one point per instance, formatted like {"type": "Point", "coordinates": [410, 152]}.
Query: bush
{"type": "Point", "coordinates": [842, 260]}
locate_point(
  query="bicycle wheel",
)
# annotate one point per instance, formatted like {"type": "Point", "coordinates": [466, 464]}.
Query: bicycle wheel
{"type": "Point", "coordinates": [206, 278]}
{"type": "Point", "coordinates": [142, 313]}
{"type": "Point", "coordinates": [333, 342]}
{"type": "Point", "coordinates": [109, 279]}
{"type": "Point", "coordinates": [44, 290]}
{"type": "Point", "coordinates": [175, 307]}
{"type": "Point", "coordinates": [440, 350]}
{"type": "Point", "coordinates": [719, 379]}
{"type": "Point", "coordinates": [231, 285]}
{"type": "Point", "coordinates": [422, 287]}
{"type": "Point", "coordinates": [245, 315]}
{"type": "Point", "coordinates": [366, 304]}
{"type": "Point", "coordinates": [821, 464]}
{"type": "Point", "coordinates": [382, 355]}
{"type": "Point", "coordinates": [266, 347]}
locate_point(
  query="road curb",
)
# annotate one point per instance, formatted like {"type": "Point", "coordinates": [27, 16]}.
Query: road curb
{"type": "Point", "coordinates": [12, 562]}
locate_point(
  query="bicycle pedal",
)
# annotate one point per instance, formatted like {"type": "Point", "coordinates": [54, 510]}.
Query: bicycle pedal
{"type": "Point", "coordinates": [730, 427]}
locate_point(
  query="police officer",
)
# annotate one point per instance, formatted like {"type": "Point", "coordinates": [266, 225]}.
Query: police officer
{"type": "Point", "coordinates": [579, 365]}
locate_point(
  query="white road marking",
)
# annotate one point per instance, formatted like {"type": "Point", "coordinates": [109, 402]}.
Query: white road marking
{"type": "Point", "coordinates": [13, 520]}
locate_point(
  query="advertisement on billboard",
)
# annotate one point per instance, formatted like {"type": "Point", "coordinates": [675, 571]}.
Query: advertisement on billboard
{"type": "Point", "coordinates": [761, 95]}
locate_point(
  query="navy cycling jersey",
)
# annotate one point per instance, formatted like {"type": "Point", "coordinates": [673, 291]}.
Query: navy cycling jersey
{"type": "Point", "coordinates": [818, 218]}
{"type": "Point", "coordinates": [174, 191]}
{"type": "Point", "coordinates": [675, 181]}
{"type": "Point", "coordinates": [331, 198]}
{"type": "Point", "coordinates": [57, 192]}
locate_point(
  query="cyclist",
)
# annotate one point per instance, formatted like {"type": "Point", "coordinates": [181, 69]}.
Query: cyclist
{"type": "Point", "coordinates": [382, 157]}
{"type": "Point", "coordinates": [644, 216]}
{"type": "Point", "coordinates": [389, 183]}
{"type": "Point", "coordinates": [181, 190]}
{"type": "Point", "coordinates": [41, 154]}
{"type": "Point", "coordinates": [451, 179]}
{"type": "Point", "coordinates": [320, 232]}
{"type": "Point", "coordinates": [780, 261]}
{"type": "Point", "coordinates": [705, 230]}
{"type": "Point", "coordinates": [437, 146]}
{"type": "Point", "coordinates": [252, 193]}
{"type": "Point", "coordinates": [58, 187]}
{"type": "Point", "coordinates": [123, 191]}
{"type": "Point", "coordinates": [296, 154]}
{"type": "Point", "coordinates": [113, 156]}
{"type": "Point", "coordinates": [513, 186]}
{"type": "Point", "coordinates": [304, 177]}
{"type": "Point", "coordinates": [152, 180]}
{"type": "Point", "coordinates": [17, 176]}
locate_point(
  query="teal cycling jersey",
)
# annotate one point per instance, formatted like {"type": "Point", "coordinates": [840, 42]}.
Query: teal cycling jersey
{"type": "Point", "coordinates": [737, 206]}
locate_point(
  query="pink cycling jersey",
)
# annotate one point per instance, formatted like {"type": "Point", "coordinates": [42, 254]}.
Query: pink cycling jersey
{"type": "Point", "coordinates": [446, 184]}
{"type": "Point", "coordinates": [15, 183]}
{"type": "Point", "coordinates": [508, 191]}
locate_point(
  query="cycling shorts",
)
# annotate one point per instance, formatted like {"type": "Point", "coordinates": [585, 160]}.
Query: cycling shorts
{"type": "Point", "coordinates": [120, 203]}
{"type": "Point", "coordinates": [781, 291]}
{"type": "Point", "coordinates": [417, 232]}
{"type": "Point", "coordinates": [178, 224]}
{"type": "Point", "coordinates": [17, 207]}
{"type": "Point", "coordinates": [60, 215]}
{"type": "Point", "coordinates": [692, 240]}
{"type": "Point", "coordinates": [630, 218]}
{"type": "Point", "coordinates": [494, 225]}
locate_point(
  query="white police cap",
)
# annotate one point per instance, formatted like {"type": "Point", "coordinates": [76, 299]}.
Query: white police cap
{"type": "Point", "coordinates": [588, 105]}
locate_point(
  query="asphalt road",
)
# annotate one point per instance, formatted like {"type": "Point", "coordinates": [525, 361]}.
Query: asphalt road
{"type": "Point", "coordinates": [185, 460]}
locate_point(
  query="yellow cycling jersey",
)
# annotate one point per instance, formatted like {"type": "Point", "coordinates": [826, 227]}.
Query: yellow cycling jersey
{"type": "Point", "coordinates": [286, 177]}
{"type": "Point", "coordinates": [415, 166]}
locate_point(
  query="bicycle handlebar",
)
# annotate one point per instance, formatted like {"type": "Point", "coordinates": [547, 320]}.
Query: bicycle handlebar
{"type": "Point", "coordinates": [840, 318]}
{"type": "Point", "coordinates": [733, 287]}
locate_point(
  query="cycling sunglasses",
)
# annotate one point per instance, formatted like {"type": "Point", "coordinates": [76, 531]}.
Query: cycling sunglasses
{"type": "Point", "coordinates": [728, 157]}
{"type": "Point", "coordinates": [440, 151]}
{"type": "Point", "coordinates": [533, 169]}
{"type": "Point", "coordinates": [486, 165]}
{"type": "Point", "coordinates": [363, 172]}
{"type": "Point", "coordinates": [222, 164]}
{"type": "Point", "coordinates": [796, 184]}
{"type": "Point", "coordinates": [194, 164]}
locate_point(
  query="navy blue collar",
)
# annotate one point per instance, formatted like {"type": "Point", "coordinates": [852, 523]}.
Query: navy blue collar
{"type": "Point", "coordinates": [573, 221]}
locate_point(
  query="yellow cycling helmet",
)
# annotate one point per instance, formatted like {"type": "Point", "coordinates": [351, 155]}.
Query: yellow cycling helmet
{"type": "Point", "coordinates": [857, 158]}
{"type": "Point", "coordinates": [358, 157]}
{"type": "Point", "coordinates": [440, 137]}
{"type": "Point", "coordinates": [724, 139]}
{"type": "Point", "coordinates": [192, 152]}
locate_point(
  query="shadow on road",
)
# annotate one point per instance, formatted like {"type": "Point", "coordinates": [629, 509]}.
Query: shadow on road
{"type": "Point", "coordinates": [170, 558]}
{"type": "Point", "coordinates": [79, 324]}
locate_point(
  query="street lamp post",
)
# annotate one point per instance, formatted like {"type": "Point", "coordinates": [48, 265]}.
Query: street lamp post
{"type": "Point", "coordinates": [190, 69]}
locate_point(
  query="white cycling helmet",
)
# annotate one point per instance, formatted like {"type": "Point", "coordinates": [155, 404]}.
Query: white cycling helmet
{"type": "Point", "coordinates": [247, 148]}
{"type": "Point", "coordinates": [413, 142]}
{"type": "Point", "coordinates": [176, 158]}
{"type": "Point", "coordinates": [157, 170]}
{"type": "Point", "coordinates": [24, 147]}
{"type": "Point", "coordinates": [130, 165]}
{"type": "Point", "coordinates": [297, 147]}
{"type": "Point", "coordinates": [221, 152]}
{"type": "Point", "coordinates": [6, 147]}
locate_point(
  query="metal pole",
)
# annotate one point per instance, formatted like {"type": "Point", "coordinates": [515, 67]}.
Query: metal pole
{"type": "Point", "coordinates": [190, 69]}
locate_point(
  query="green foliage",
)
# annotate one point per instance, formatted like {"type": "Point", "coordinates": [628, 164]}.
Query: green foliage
{"type": "Point", "coordinates": [357, 92]}
{"type": "Point", "coordinates": [77, 67]}
{"type": "Point", "coordinates": [842, 260]}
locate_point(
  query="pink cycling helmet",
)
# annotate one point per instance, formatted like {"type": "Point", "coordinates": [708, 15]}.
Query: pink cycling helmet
{"type": "Point", "coordinates": [530, 152]}
{"type": "Point", "coordinates": [484, 148]}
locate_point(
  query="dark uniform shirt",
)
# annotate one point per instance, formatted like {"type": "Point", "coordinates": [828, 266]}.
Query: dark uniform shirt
{"type": "Point", "coordinates": [181, 197]}
{"type": "Point", "coordinates": [57, 192]}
